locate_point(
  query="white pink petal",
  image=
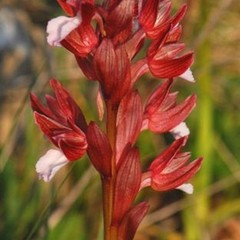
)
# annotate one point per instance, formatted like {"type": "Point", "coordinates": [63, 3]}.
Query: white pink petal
{"type": "Point", "coordinates": [58, 28]}
{"type": "Point", "coordinates": [50, 163]}
{"type": "Point", "coordinates": [186, 187]}
{"type": "Point", "coordinates": [187, 75]}
{"type": "Point", "coordinates": [180, 130]}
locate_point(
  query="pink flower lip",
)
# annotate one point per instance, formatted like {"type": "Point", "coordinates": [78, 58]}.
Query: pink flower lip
{"type": "Point", "coordinates": [48, 165]}
{"type": "Point", "coordinates": [180, 130]}
{"type": "Point", "coordinates": [58, 28]}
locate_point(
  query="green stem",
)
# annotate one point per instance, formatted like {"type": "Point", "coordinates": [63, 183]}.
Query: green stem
{"type": "Point", "coordinates": [110, 232]}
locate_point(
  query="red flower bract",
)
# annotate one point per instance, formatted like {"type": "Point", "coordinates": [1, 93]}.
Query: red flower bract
{"type": "Point", "coordinates": [169, 170]}
{"type": "Point", "coordinates": [162, 113]}
{"type": "Point", "coordinates": [62, 121]}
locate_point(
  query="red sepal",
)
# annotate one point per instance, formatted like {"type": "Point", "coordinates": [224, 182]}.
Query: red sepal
{"type": "Point", "coordinates": [170, 169]}
{"type": "Point", "coordinates": [174, 34]}
{"type": "Point", "coordinates": [164, 121]}
{"type": "Point", "coordinates": [177, 18]}
{"type": "Point", "coordinates": [87, 10]}
{"type": "Point", "coordinates": [161, 161]}
{"type": "Point", "coordinates": [72, 141]}
{"type": "Point", "coordinates": [56, 111]}
{"type": "Point", "coordinates": [81, 41]}
{"type": "Point", "coordinates": [51, 128]}
{"type": "Point", "coordinates": [157, 44]}
{"type": "Point", "coordinates": [62, 121]}
{"type": "Point", "coordinates": [156, 99]}
{"type": "Point", "coordinates": [68, 106]}
{"type": "Point", "coordinates": [71, 7]}
{"type": "Point", "coordinates": [73, 149]}
{"type": "Point", "coordinates": [138, 69]}
{"type": "Point", "coordinates": [148, 14]}
{"type": "Point", "coordinates": [38, 107]}
{"type": "Point", "coordinates": [164, 12]}
{"type": "Point", "coordinates": [99, 149]}
{"type": "Point", "coordinates": [174, 179]}
{"type": "Point", "coordinates": [170, 68]}
{"type": "Point", "coordinates": [134, 44]}
{"type": "Point", "coordinates": [128, 181]}
{"type": "Point", "coordinates": [131, 221]}
{"type": "Point", "coordinates": [169, 51]}
{"type": "Point", "coordinates": [155, 18]}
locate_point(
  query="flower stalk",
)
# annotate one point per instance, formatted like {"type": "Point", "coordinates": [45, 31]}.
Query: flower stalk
{"type": "Point", "coordinates": [109, 182]}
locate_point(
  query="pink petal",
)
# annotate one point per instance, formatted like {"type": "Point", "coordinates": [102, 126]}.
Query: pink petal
{"type": "Point", "coordinates": [50, 163]}
{"type": "Point", "coordinates": [58, 28]}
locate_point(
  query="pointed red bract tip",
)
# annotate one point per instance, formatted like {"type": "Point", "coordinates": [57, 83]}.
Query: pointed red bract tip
{"type": "Point", "coordinates": [128, 181]}
{"type": "Point", "coordinates": [131, 221]}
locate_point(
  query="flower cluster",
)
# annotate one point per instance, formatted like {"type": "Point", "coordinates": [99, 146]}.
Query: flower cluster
{"type": "Point", "coordinates": [106, 40]}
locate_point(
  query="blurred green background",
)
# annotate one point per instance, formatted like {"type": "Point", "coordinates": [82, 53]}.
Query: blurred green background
{"type": "Point", "coordinates": [70, 206]}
